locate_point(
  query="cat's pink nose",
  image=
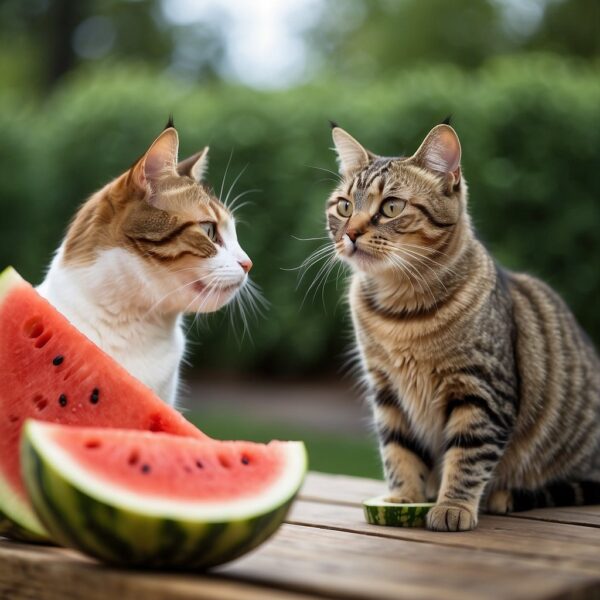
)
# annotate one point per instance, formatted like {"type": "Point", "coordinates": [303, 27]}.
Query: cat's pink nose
{"type": "Point", "coordinates": [246, 264]}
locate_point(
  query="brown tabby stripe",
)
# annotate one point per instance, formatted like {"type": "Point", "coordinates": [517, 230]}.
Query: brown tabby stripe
{"type": "Point", "coordinates": [403, 313]}
{"type": "Point", "coordinates": [429, 216]}
{"type": "Point", "coordinates": [169, 237]}
{"type": "Point", "coordinates": [164, 258]}
{"type": "Point", "coordinates": [393, 436]}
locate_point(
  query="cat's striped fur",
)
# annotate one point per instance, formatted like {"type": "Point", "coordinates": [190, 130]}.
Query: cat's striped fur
{"type": "Point", "coordinates": [482, 384]}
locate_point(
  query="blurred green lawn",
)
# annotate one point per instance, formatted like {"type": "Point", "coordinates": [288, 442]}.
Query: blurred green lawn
{"type": "Point", "coordinates": [330, 453]}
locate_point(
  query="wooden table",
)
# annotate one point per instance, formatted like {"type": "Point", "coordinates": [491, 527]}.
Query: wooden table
{"type": "Point", "coordinates": [326, 550]}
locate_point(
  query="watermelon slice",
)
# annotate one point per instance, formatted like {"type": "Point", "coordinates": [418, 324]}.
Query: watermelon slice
{"type": "Point", "coordinates": [378, 511]}
{"type": "Point", "coordinates": [137, 498]}
{"type": "Point", "coordinates": [52, 372]}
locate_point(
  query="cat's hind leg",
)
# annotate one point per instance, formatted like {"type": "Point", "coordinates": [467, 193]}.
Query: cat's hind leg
{"type": "Point", "coordinates": [561, 493]}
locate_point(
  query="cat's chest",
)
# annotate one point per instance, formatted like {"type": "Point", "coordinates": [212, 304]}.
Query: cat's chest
{"type": "Point", "coordinates": [411, 370]}
{"type": "Point", "coordinates": [151, 352]}
{"type": "Point", "coordinates": [418, 391]}
{"type": "Point", "coordinates": [151, 357]}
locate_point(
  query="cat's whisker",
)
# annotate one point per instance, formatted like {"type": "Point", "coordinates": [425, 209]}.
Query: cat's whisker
{"type": "Point", "coordinates": [312, 239]}
{"type": "Point", "coordinates": [177, 289]}
{"type": "Point", "coordinates": [239, 207]}
{"type": "Point", "coordinates": [225, 175]}
{"type": "Point", "coordinates": [416, 247]}
{"type": "Point", "coordinates": [409, 248]}
{"type": "Point", "coordinates": [241, 305]}
{"type": "Point", "coordinates": [321, 276]}
{"type": "Point", "coordinates": [327, 256]}
{"type": "Point", "coordinates": [311, 258]}
{"type": "Point", "coordinates": [315, 257]}
{"type": "Point", "coordinates": [338, 177]}
{"type": "Point", "coordinates": [232, 186]}
{"type": "Point", "coordinates": [258, 298]}
{"type": "Point", "coordinates": [410, 272]}
{"type": "Point", "coordinates": [324, 280]}
{"type": "Point", "coordinates": [420, 261]}
{"type": "Point", "coordinates": [419, 277]}
{"type": "Point", "coordinates": [233, 207]}
{"type": "Point", "coordinates": [398, 264]}
{"type": "Point", "coordinates": [206, 292]}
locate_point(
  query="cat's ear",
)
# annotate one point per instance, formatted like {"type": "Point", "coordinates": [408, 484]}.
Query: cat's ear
{"type": "Point", "coordinates": [351, 155]}
{"type": "Point", "coordinates": [195, 166]}
{"type": "Point", "coordinates": [440, 152]}
{"type": "Point", "coordinates": [159, 160]}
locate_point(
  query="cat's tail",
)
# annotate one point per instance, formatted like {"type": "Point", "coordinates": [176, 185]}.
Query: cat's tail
{"type": "Point", "coordinates": [563, 493]}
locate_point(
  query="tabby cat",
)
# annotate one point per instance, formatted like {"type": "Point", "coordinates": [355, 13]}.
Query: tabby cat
{"type": "Point", "coordinates": [483, 387]}
{"type": "Point", "coordinates": [151, 245]}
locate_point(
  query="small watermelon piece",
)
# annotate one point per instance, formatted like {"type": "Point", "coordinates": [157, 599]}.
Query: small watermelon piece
{"type": "Point", "coordinates": [52, 372]}
{"type": "Point", "coordinates": [378, 511]}
{"type": "Point", "coordinates": [158, 500]}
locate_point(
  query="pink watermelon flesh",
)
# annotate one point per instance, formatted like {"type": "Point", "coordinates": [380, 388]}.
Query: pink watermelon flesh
{"type": "Point", "coordinates": [167, 467]}
{"type": "Point", "coordinates": [52, 372]}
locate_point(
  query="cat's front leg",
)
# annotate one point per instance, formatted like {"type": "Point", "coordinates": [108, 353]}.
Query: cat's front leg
{"type": "Point", "coordinates": [406, 462]}
{"type": "Point", "coordinates": [476, 433]}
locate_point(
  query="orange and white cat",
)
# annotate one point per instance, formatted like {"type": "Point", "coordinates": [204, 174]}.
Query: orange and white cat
{"type": "Point", "coordinates": [149, 247]}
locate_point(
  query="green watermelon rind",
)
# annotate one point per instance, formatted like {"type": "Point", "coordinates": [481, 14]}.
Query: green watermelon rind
{"type": "Point", "coordinates": [16, 521]}
{"type": "Point", "coordinates": [106, 530]}
{"type": "Point", "coordinates": [380, 512]}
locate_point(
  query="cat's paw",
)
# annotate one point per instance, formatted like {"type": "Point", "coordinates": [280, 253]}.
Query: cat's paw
{"type": "Point", "coordinates": [401, 499]}
{"type": "Point", "coordinates": [451, 517]}
{"type": "Point", "coordinates": [499, 502]}
{"type": "Point", "coordinates": [406, 496]}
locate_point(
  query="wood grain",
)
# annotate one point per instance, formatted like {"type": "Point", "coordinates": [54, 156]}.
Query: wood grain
{"type": "Point", "coordinates": [567, 546]}
{"type": "Point", "coordinates": [350, 565]}
{"type": "Point", "coordinates": [47, 573]}
{"type": "Point", "coordinates": [340, 489]}
{"type": "Point", "coordinates": [326, 550]}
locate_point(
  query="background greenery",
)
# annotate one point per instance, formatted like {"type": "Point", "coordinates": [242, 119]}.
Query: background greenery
{"type": "Point", "coordinates": [86, 86]}
{"type": "Point", "coordinates": [529, 128]}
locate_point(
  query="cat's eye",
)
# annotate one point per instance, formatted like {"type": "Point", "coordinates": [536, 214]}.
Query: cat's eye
{"type": "Point", "coordinates": [344, 207]}
{"type": "Point", "coordinates": [210, 229]}
{"type": "Point", "coordinates": [392, 207]}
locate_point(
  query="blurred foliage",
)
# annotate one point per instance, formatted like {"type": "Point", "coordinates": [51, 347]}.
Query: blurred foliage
{"type": "Point", "coordinates": [339, 452]}
{"type": "Point", "coordinates": [371, 39]}
{"type": "Point", "coordinates": [531, 146]}
{"type": "Point", "coordinates": [43, 40]}
{"type": "Point", "coordinates": [391, 36]}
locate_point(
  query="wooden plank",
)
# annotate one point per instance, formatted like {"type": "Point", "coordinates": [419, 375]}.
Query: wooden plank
{"type": "Point", "coordinates": [340, 489]}
{"type": "Point", "coordinates": [346, 565]}
{"type": "Point", "coordinates": [299, 562]}
{"type": "Point", "coordinates": [47, 573]}
{"type": "Point", "coordinates": [588, 516]}
{"type": "Point", "coordinates": [565, 546]}
{"type": "Point", "coordinates": [343, 489]}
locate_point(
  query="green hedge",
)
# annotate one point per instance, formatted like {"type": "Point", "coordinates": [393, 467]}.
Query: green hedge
{"type": "Point", "coordinates": [531, 144]}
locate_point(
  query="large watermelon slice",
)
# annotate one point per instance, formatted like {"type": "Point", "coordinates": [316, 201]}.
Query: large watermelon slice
{"type": "Point", "coordinates": [52, 372]}
{"type": "Point", "coordinates": [137, 498]}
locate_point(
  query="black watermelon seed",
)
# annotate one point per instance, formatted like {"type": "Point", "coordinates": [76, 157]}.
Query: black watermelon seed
{"type": "Point", "coordinates": [199, 464]}
{"type": "Point", "coordinates": [145, 468]}
{"type": "Point", "coordinates": [62, 400]}
{"type": "Point", "coordinates": [245, 460]}
{"type": "Point", "coordinates": [58, 360]}
{"type": "Point", "coordinates": [95, 396]}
